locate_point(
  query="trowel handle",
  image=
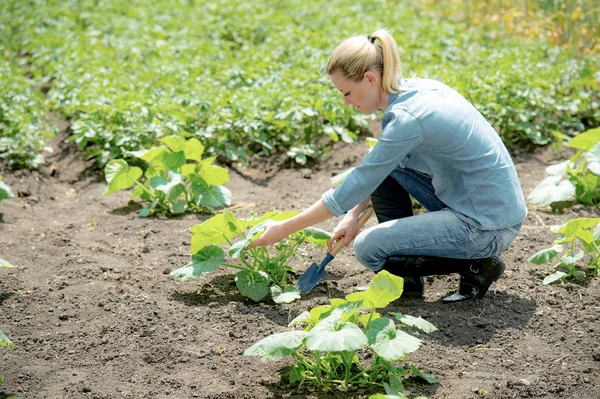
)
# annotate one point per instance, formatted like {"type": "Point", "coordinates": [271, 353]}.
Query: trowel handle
{"type": "Point", "coordinates": [361, 221]}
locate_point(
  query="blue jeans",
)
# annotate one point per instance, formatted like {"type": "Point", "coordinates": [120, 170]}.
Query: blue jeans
{"type": "Point", "coordinates": [439, 232]}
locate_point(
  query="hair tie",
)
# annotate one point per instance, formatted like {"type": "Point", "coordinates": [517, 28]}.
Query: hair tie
{"type": "Point", "coordinates": [371, 39]}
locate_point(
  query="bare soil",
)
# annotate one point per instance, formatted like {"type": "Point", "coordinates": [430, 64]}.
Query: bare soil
{"type": "Point", "coordinates": [94, 313]}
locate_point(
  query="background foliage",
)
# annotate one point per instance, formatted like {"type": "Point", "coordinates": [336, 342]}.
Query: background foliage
{"type": "Point", "coordinates": [245, 77]}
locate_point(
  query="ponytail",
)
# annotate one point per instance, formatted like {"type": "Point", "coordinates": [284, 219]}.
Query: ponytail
{"type": "Point", "coordinates": [359, 54]}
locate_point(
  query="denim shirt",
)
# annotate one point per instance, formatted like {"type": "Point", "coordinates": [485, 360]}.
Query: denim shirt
{"type": "Point", "coordinates": [431, 128]}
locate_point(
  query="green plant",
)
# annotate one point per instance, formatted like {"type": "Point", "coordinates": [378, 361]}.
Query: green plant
{"type": "Point", "coordinates": [260, 272]}
{"type": "Point", "coordinates": [577, 250]}
{"type": "Point", "coordinates": [5, 191]}
{"type": "Point", "coordinates": [4, 341]}
{"type": "Point", "coordinates": [574, 180]}
{"type": "Point", "coordinates": [176, 178]}
{"type": "Point", "coordinates": [327, 350]}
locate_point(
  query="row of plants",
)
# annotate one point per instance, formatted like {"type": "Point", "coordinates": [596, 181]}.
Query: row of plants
{"type": "Point", "coordinates": [24, 128]}
{"type": "Point", "coordinates": [576, 180]}
{"type": "Point", "coordinates": [5, 192]}
{"type": "Point", "coordinates": [245, 78]}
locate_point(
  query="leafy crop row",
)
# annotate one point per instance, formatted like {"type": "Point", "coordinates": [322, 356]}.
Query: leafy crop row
{"type": "Point", "coordinates": [24, 129]}
{"type": "Point", "coordinates": [326, 352]}
{"type": "Point", "coordinates": [245, 78]}
{"type": "Point", "coordinates": [574, 180]}
{"type": "Point", "coordinates": [577, 250]}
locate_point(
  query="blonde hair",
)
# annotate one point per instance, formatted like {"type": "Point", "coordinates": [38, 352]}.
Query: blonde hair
{"type": "Point", "coordinates": [359, 54]}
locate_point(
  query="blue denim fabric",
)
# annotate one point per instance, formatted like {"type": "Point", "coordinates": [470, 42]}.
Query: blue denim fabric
{"type": "Point", "coordinates": [440, 232]}
{"type": "Point", "coordinates": [431, 129]}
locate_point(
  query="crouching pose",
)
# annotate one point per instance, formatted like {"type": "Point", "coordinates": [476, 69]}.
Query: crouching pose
{"type": "Point", "coordinates": [434, 146]}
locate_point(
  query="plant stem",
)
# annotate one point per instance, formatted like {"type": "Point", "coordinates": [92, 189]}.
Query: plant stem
{"type": "Point", "coordinates": [317, 368]}
{"type": "Point", "coordinates": [236, 266]}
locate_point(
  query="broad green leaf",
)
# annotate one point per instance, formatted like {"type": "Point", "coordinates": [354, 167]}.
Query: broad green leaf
{"type": "Point", "coordinates": [158, 181]}
{"type": "Point", "coordinates": [417, 322]}
{"type": "Point", "coordinates": [586, 140]}
{"type": "Point", "coordinates": [559, 169]}
{"type": "Point", "coordinates": [394, 385]}
{"type": "Point", "coordinates": [193, 151]}
{"type": "Point", "coordinates": [207, 260]}
{"type": "Point", "coordinates": [171, 187]}
{"type": "Point", "coordinates": [188, 169]}
{"type": "Point", "coordinates": [382, 396]}
{"type": "Point", "coordinates": [277, 346]}
{"type": "Point", "coordinates": [5, 264]}
{"type": "Point", "coordinates": [217, 230]}
{"type": "Point", "coordinates": [317, 236]}
{"type": "Point", "coordinates": [120, 176]}
{"type": "Point", "coordinates": [237, 249]}
{"type": "Point", "coordinates": [149, 154]}
{"type": "Point", "coordinates": [167, 161]}
{"type": "Point", "coordinates": [418, 373]}
{"type": "Point", "coordinates": [389, 343]}
{"type": "Point", "coordinates": [216, 197]}
{"type": "Point", "coordinates": [319, 312]}
{"type": "Point", "coordinates": [211, 197]}
{"type": "Point", "coordinates": [579, 228]}
{"type": "Point", "coordinates": [289, 294]}
{"type": "Point", "coordinates": [175, 143]}
{"type": "Point", "coordinates": [332, 336]}
{"type": "Point", "coordinates": [383, 289]}
{"type": "Point", "coordinates": [4, 341]}
{"type": "Point", "coordinates": [546, 255]}
{"type": "Point", "coordinates": [138, 191]}
{"type": "Point", "coordinates": [572, 259]}
{"type": "Point", "coordinates": [178, 207]}
{"type": "Point", "coordinates": [553, 277]}
{"type": "Point", "coordinates": [253, 285]}
{"type": "Point", "coordinates": [339, 179]}
{"type": "Point", "coordinates": [365, 318]}
{"type": "Point", "coordinates": [596, 234]}
{"type": "Point", "coordinates": [274, 215]}
{"type": "Point", "coordinates": [214, 175]}
{"type": "Point", "coordinates": [593, 159]}
{"type": "Point", "coordinates": [552, 189]}
{"type": "Point", "coordinates": [5, 191]}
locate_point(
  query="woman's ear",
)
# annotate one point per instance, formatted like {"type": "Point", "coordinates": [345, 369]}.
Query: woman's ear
{"type": "Point", "coordinates": [371, 77]}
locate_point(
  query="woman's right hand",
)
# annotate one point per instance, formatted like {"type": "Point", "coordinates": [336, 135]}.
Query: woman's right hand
{"type": "Point", "coordinates": [347, 228]}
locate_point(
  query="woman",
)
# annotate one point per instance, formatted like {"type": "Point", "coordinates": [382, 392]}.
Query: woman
{"type": "Point", "coordinates": [434, 146]}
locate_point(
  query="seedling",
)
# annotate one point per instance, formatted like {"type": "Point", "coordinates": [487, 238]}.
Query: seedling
{"type": "Point", "coordinates": [574, 180]}
{"type": "Point", "coordinates": [326, 351]}
{"type": "Point", "coordinates": [4, 341]}
{"type": "Point", "coordinates": [259, 271]}
{"type": "Point", "coordinates": [176, 178]}
{"type": "Point", "coordinates": [577, 250]}
{"type": "Point", "coordinates": [5, 191]}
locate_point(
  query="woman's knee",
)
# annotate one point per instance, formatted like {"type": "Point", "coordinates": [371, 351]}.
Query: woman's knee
{"type": "Point", "coordinates": [365, 254]}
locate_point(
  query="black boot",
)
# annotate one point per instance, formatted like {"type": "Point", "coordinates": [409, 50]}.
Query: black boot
{"type": "Point", "coordinates": [476, 274]}
{"type": "Point", "coordinates": [475, 282]}
{"type": "Point", "coordinates": [414, 268]}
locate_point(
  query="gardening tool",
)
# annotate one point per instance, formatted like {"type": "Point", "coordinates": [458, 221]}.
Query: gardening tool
{"type": "Point", "coordinates": [315, 273]}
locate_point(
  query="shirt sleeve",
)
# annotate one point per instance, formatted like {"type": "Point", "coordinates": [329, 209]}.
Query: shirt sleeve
{"type": "Point", "coordinates": [400, 136]}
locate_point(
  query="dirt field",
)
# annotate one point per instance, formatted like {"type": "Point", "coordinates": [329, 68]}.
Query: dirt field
{"type": "Point", "coordinates": [94, 313]}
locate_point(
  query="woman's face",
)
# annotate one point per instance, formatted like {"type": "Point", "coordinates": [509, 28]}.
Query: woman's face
{"type": "Point", "coordinates": [364, 95]}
